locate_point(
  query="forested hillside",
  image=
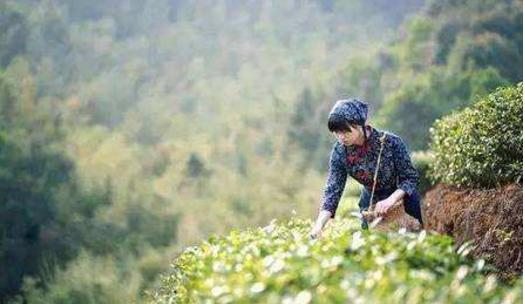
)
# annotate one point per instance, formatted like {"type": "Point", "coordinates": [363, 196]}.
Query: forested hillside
{"type": "Point", "coordinates": [443, 59]}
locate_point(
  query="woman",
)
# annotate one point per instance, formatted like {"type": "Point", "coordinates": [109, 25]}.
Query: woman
{"type": "Point", "coordinates": [355, 153]}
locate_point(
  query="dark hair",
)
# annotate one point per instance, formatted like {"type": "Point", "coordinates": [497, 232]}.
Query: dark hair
{"type": "Point", "coordinates": [337, 122]}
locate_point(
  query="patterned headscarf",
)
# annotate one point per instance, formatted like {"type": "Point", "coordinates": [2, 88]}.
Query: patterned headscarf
{"type": "Point", "coordinates": [353, 110]}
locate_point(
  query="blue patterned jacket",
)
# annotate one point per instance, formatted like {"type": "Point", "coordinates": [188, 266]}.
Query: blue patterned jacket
{"type": "Point", "coordinates": [395, 171]}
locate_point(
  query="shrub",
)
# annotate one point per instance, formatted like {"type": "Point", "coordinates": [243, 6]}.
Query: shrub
{"type": "Point", "coordinates": [481, 146]}
{"type": "Point", "coordinates": [278, 264]}
{"type": "Point", "coordinates": [422, 161]}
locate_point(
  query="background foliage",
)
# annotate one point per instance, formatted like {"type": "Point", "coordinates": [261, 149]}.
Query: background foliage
{"type": "Point", "coordinates": [482, 145]}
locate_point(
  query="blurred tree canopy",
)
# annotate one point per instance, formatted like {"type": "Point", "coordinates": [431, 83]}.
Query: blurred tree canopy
{"type": "Point", "coordinates": [443, 58]}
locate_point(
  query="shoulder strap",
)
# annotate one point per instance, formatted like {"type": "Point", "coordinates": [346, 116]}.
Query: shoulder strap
{"type": "Point", "coordinates": [382, 139]}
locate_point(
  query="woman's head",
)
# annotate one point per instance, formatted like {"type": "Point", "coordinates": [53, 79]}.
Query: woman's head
{"type": "Point", "coordinates": [347, 119]}
{"type": "Point", "coordinates": [351, 135]}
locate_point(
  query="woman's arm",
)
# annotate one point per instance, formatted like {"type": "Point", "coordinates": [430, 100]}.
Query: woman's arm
{"type": "Point", "coordinates": [383, 206]}
{"type": "Point", "coordinates": [397, 195]}
{"type": "Point", "coordinates": [336, 180]}
{"type": "Point", "coordinates": [408, 177]}
{"type": "Point", "coordinates": [323, 217]}
{"type": "Point", "coordinates": [335, 184]}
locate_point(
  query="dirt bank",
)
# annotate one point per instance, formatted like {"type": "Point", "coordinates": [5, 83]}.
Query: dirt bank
{"type": "Point", "coordinates": [491, 218]}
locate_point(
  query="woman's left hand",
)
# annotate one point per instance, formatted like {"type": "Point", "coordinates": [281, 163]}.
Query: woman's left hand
{"type": "Point", "coordinates": [383, 206]}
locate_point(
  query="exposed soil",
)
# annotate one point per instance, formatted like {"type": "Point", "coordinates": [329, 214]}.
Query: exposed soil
{"type": "Point", "coordinates": [492, 219]}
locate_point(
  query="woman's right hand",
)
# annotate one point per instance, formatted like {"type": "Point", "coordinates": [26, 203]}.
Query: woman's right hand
{"type": "Point", "coordinates": [317, 229]}
{"type": "Point", "coordinates": [316, 232]}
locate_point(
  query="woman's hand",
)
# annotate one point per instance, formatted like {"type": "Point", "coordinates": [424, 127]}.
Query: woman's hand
{"type": "Point", "coordinates": [317, 229]}
{"type": "Point", "coordinates": [383, 206]}
{"type": "Point", "coordinates": [316, 232]}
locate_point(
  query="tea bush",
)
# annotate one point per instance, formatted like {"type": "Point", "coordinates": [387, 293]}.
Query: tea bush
{"type": "Point", "coordinates": [279, 264]}
{"type": "Point", "coordinates": [422, 161]}
{"type": "Point", "coordinates": [481, 146]}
